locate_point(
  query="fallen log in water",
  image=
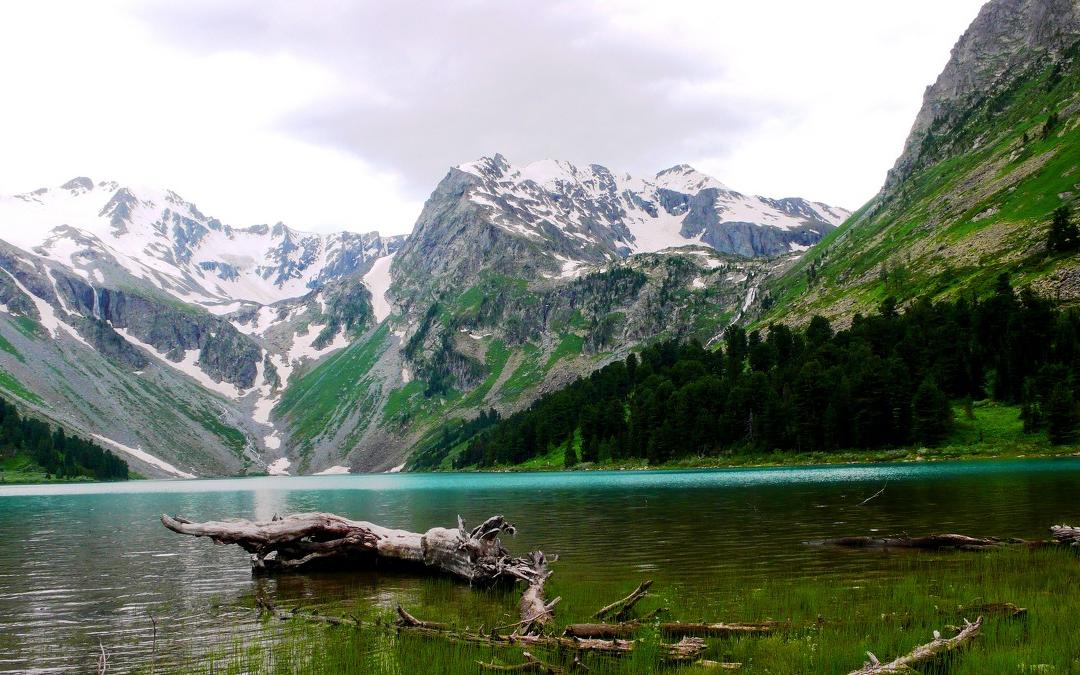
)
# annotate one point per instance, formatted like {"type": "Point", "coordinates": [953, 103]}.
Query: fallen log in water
{"type": "Point", "coordinates": [686, 649]}
{"type": "Point", "coordinates": [621, 608]}
{"type": "Point", "coordinates": [532, 664]}
{"type": "Point", "coordinates": [534, 610]}
{"type": "Point", "coordinates": [1066, 534]}
{"type": "Point", "coordinates": [308, 540]}
{"type": "Point", "coordinates": [932, 542]}
{"type": "Point", "coordinates": [922, 653]}
{"type": "Point", "coordinates": [264, 604]}
{"type": "Point", "coordinates": [674, 629]}
{"type": "Point", "coordinates": [1005, 609]}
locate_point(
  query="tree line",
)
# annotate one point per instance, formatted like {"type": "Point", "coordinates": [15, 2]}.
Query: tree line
{"type": "Point", "coordinates": [888, 380]}
{"type": "Point", "coordinates": [57, 453]}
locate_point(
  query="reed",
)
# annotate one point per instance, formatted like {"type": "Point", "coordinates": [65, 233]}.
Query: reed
{"type": "Point", "coordinates": [828, 622]}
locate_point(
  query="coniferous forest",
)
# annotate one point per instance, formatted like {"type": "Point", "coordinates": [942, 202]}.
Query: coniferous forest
{"type": "Point", "coordinates": [57, 453]}
{"type": "Point", "coordinates": [888, 380]}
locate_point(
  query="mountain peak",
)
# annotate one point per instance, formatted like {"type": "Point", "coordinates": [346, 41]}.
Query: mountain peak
{"type": "Point", "coordinates": [486, 167]}
{"type": "Point", "coordinates": [685, 178]}
{"type": "Point", "coordinates": [78, 185]}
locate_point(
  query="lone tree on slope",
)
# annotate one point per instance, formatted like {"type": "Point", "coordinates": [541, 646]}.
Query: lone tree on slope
{"type": "Point", "coordinates": [1063, 236]}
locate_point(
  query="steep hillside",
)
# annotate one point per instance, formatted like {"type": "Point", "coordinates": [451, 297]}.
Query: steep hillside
{"type": "Point", "coordinates": [993, 152]}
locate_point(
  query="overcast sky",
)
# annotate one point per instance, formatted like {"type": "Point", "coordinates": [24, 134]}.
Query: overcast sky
{"type": "Point", "coordinates": [338, 114]}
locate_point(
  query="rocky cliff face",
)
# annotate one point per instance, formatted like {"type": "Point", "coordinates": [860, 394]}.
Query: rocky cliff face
{"type": "Point", "coordinates": [1005, 42]}
{"type": "Point", "coordinates": [994, 151]}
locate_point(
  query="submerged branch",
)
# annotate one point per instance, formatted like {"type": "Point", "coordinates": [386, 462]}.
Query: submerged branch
{"type": "Point", "coordinates": [922, 653]}
{"type": "Point", "coordinates": [674, 629]}
{"type": "Point", "coordinates": [931, 542]}
{"type": "Point", "coordinates": [621, 608]}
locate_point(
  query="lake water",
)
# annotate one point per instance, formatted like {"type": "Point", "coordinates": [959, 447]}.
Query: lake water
{"type": "Point", "coordinates": [90, 563]}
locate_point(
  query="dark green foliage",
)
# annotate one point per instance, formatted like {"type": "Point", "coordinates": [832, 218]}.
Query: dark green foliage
{"type": "Point", "coordinates": [1064, 236]}
{"type": "Point", "coordinates": [54, 451]}
{"type": "Point", "coordinates": [570, 459]}
{"type": "Point", "coordinates": [932, 416]}
{"type": "Point", "coordinates": [886, 381]}
{"type": "Point", "coordinates": [1062, 418]}
{"type": "Point", "coordinates": [430, 454]}
{"type": "Point", "coordinates": [1049, 125]}
{"type": "Point", "coordinates": [349, 307]}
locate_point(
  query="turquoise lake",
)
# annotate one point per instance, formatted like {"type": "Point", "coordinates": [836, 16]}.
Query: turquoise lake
{"type": "Point", "coordinates": [87, 565]}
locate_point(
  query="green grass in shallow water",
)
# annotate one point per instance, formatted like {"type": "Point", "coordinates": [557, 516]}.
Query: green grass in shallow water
{"type": "Point", "coordinates": [827, 623]}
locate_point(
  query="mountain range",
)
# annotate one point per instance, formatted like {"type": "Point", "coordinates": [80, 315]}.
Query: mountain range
{"type": "Point", "coordinates": [198, 348]}
{"type": "Point", "coordinates": [195, 347]}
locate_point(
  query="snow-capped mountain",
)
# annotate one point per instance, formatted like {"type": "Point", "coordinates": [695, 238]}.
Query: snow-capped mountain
{"type": "Point", "coordinates": [158, 237]}
{"type": "Point", "coordinates": [134, 286]}
{"type": "Point", "coordinates": [196, 347]}
{"type": "Point", "coordinates": [621, 214]}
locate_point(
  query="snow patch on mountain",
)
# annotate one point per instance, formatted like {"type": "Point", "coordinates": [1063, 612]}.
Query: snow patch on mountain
{"type": "Point", "coordinates": [142, 455]}
{"type": "Point", "coordinates": [189, 366]}
{"type": "Point", "coordinates": [49, 320]}
{"type": "Point", "coordinates": [336, 470]}
{"type": "Point", "coordinates": [377, 281]}
{"type": "Point", "coordinates": [279, 467]}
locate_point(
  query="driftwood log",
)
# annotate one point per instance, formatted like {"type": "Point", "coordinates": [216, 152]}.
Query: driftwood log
{"type": "Point", "coordinates": [922, 653]}
{"type": "Point", "coordinates": [308, 540]}
{"type": "Point", "coordinates": [535, 611]}
{"type": "Point", "coordinates": [1060, 534]}
{"type": "Point", "coordinates": [1066, 534]}
{"type": "Point", "coordinates": [532, 665]}
{"type": "Point", "coordinates": [686, 649]}
{"type": "Point", "coordinates": [673, 628]}
{"type": "Point", "coordinates": [932, 542]}
{"type": "Point", "coordinates": [621, 608]}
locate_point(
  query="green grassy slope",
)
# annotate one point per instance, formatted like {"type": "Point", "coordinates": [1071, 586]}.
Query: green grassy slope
{"type": "Point", "coordinates": [978, 204]}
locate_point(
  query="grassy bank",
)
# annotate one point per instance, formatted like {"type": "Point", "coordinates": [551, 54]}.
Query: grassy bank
{"type": "Point", "coordinates": [827, 624]}
{"type": "Point", "coordinates": [985, 430]}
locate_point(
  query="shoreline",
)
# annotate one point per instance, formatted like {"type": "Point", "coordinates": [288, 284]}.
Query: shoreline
{"type": "Point", "coordinates": [781, 459]}
{"type": "Point", "coordinates": [757, 460]}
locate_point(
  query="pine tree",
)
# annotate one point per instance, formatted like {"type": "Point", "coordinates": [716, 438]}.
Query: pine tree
{"type": "Point", "coordinates": [933, 417]}
{"type": "Point", "coordinates": [570, 458]}
{"type": "Point", "coordinates": [1062, 419]}
{"type": "Point", "coordinates": [1063, 236]}
{"type": "Point", "coordinates": [1049, 125]}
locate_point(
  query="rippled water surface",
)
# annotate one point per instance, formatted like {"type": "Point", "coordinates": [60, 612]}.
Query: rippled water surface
{"type": "Point", "coordinates": [89, 565]}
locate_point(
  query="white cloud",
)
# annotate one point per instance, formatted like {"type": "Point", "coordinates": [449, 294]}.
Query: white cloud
{"type": "Point", "coordinates": [344, 115]}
